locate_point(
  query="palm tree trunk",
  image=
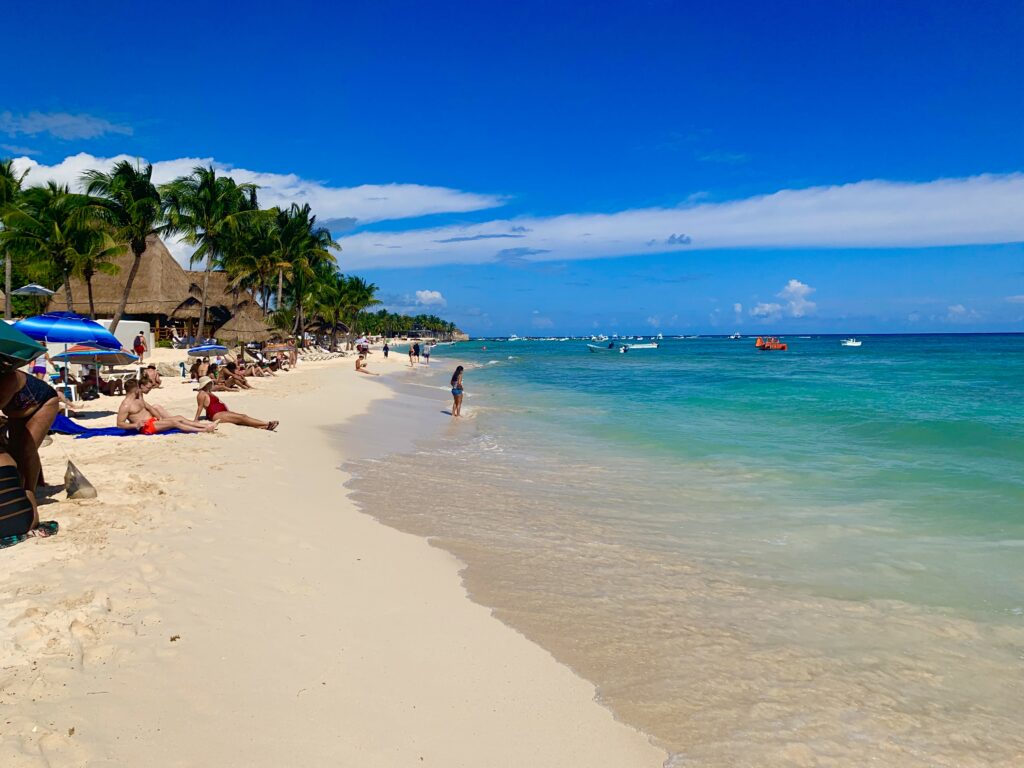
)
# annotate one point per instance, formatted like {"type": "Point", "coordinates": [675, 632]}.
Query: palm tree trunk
{"type": "Point", "coordinates": [67, 293]}
{"type": "Point", "coordinates": [88, 288]}
{"type": "Point", "coordinates": [280, 286]}
{"type": "Point", "coordinates": [127, 288]}
{"type": "Point", "coordinates": [202, 307]}
{"type": "Point", "coordinates": [7, 285]}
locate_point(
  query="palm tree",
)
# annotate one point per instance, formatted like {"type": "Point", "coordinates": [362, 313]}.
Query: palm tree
{"type": "Point", "coordinates": [132, 205]}
{"type": "Point", "coordinates": [10, 190]}
{"type": "Point", "coordinates": [54, 228]}
{"type": "Point", "coordinates": [207, 210]}
{"type": "Point", "coordinates": [96, 257]}
{"type": "Point", "coordinates": [305, 247]}
{"type": "Point", "coordinates": [359, 295]}
{"type": "Point", "coordinates": [250, 260]}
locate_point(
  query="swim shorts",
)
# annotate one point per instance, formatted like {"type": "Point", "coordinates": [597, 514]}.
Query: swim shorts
{"type": "Point", "coordinates": [149, 428]}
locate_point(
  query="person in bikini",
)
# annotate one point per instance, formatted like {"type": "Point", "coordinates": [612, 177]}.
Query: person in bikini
{"type": "Point", "coordinates": [153, 375]}
{"type": "Point", "coordinates": [216, 410]}
{"type": "Point", "coordinates": [136, 413]}
{"type": "Point", "coordinates": [230, 374]}
{"type": "Point", "coordinates": [30, 406]}
{"type": "Point", "coordinates": [361, 366]}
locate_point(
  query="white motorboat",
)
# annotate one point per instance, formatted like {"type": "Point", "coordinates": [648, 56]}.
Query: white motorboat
{"type": "Point", "coordinates": [513, 337]}
{"type": "Point", "coordinates": [645, 345]}
{"type": "Point", "coordinates": [851, 342]}
{"type": "Point", "coordinates": [736, 336]}
{"type": "Point", "coordinates": [604, 348]}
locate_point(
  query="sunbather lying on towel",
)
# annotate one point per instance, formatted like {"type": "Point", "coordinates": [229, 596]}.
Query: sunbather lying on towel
{"type": "Point", "coordinates": [217, 411]}
{"type": "Point", "coordinates": [136, 413]}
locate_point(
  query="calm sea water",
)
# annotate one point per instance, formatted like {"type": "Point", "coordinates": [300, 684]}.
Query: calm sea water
{"type": "Point", "coordinates": [811, 557]}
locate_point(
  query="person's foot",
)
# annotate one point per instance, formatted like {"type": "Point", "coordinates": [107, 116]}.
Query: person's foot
{"type": "Point", "coordinates": [272, 426]}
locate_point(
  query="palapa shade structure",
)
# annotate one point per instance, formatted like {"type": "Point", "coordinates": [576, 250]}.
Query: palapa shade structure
{"type": "Point", "coordinates": [160, 288]}
{"type": "Point", "coordinates": [247, 325]}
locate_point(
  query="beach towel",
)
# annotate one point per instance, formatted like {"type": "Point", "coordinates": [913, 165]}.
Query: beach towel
{"type": "Point", "coordinates": [46, 528]}
{"type": "Point", "coordinates": [66, 426]}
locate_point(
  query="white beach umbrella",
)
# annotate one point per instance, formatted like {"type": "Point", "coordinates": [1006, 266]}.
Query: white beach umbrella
{"type": "Point", "coordinates": [32, 289]}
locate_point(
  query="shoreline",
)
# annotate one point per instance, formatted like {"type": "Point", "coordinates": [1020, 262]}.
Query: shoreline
{"type": "Point", "coordinates": [225, 601]}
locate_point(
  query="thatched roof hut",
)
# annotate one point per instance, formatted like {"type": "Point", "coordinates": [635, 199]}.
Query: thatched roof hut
{"type": "Point", "coordinates": [220, 294]}
{"type": "Point", "coordinates": [160, 286]}
{"type": "Point", "coordinates": [247, 325]}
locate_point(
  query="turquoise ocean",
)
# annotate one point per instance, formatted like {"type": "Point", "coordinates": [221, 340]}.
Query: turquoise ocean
{"type": "Point", "coordinates": [810, 557]}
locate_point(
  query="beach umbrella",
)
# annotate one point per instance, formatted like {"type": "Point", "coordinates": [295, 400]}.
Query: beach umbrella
{"type": "Point", "coordinates": [32, 289]}
{"type": "Point", "coordinates": [208, 349]}
{"type": "Point", "coordinates": [16, 348]}
{"type": "Point", "coordinates": [82, 353]}
{"type": "Point", "coordinates": [67, 328]}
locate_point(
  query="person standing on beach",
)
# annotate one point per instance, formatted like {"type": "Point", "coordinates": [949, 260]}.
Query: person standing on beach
{"type": "Point", "coordinates": [416, 351]}
{"type": "Point", "coordinates": [457, 392]}
{"type": "Point", "coordinates": [411, 362]}
{"type": "Point", "coordinates": [140, 346]}
{"type": "Point", "coordinates": [386, 350]}
{"type": "Point", "coordinates": [426, 354]}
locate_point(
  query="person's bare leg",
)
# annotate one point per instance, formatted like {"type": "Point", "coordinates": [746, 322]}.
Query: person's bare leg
{"type": "Point", "coordinates": [244, 421]}
{"type": "Point", "coordinates": [26, 437]}
{"type": "Point", "coordinates": [177, 422]}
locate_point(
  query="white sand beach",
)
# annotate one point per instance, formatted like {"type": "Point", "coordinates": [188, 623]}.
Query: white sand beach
{"type": "Point", "coordinates": [223, 602]}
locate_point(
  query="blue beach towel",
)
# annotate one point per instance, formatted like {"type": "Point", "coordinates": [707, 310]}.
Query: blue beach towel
{"type": "Point", "coordinates": [66, 426]}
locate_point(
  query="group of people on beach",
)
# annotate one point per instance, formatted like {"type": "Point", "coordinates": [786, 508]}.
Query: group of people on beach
{"type": "Point", "coordinates": [414, 353]}
{"type": "Point", "coordinates": [30, 405]}
{"type": "Point", "coordinates": [458, 391]}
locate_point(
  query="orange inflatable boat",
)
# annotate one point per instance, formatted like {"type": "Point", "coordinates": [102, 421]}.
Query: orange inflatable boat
{"type": "Point", "coordinates": [770, 343]}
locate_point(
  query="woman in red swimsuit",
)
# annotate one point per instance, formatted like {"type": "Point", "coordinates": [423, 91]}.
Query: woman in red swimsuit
{"type": "Point", "coordinates": [217, 411]}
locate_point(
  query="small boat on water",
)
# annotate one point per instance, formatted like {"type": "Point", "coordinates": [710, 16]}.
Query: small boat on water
{"type": "Point", "coordinates": [770, 343]}
{"type": "Point", "coordinates": [644, 345]}
{"type": "Point", "coordinates": [620, 348]}
{"type": "Point", "coordinates": [851, 342]}
{"type": "Point", "coordinates": [736, 336]}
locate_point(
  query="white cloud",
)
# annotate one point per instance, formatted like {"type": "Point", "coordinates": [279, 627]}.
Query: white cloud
{"type": "Point", "coordinates": [958, 313]}
{"type": "Point", "coordinates": [766, 311]}
{"type": "Point", "coordinates": [431, 299]}
{"type": "Point", "coordinates": [654, 321]}
{"type": "Point", "coordinates": [365, 203]}
{"type": "Point", "coordinates": [866, 214]}
{"type": "Point", "coordinates": [61, 125]}
{"type": "Point", "coordinates": [795, 293]}
{"type": "Point", "coordinates": [737, 308]}
{"type": "Point", "coordinates": [540, 321]}
{"type": "Point", "coordinates": [1016, 299]}
{"type": "Point", "coordinates": [16, 149]}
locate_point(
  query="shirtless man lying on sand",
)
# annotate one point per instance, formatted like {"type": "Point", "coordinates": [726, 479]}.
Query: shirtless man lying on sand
{"type": "Point", "coordinates": [136, 413]}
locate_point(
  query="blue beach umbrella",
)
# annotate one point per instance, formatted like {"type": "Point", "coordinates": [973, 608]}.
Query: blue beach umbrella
{"type": "Point", "coordinates": [67, 328]}
{"type": "Point", "coordinates": [208, 349]}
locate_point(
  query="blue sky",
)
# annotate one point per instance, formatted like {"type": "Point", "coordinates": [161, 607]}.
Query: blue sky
{"type": "Point", "coordinates": [568, 167]}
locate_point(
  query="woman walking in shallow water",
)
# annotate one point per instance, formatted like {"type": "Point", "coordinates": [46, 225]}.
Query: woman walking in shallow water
{"type": "Point", "coordinates": [457, 392]}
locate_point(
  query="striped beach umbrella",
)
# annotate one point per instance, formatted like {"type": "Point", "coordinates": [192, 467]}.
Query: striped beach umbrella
{"type": "Point", "coordinates": [83, 353]}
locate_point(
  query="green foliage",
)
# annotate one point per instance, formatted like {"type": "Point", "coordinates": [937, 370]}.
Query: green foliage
{"type": "Point", "coordinates": [164, 344]}
{"type": "Point", "coordinates": [281, 255]}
